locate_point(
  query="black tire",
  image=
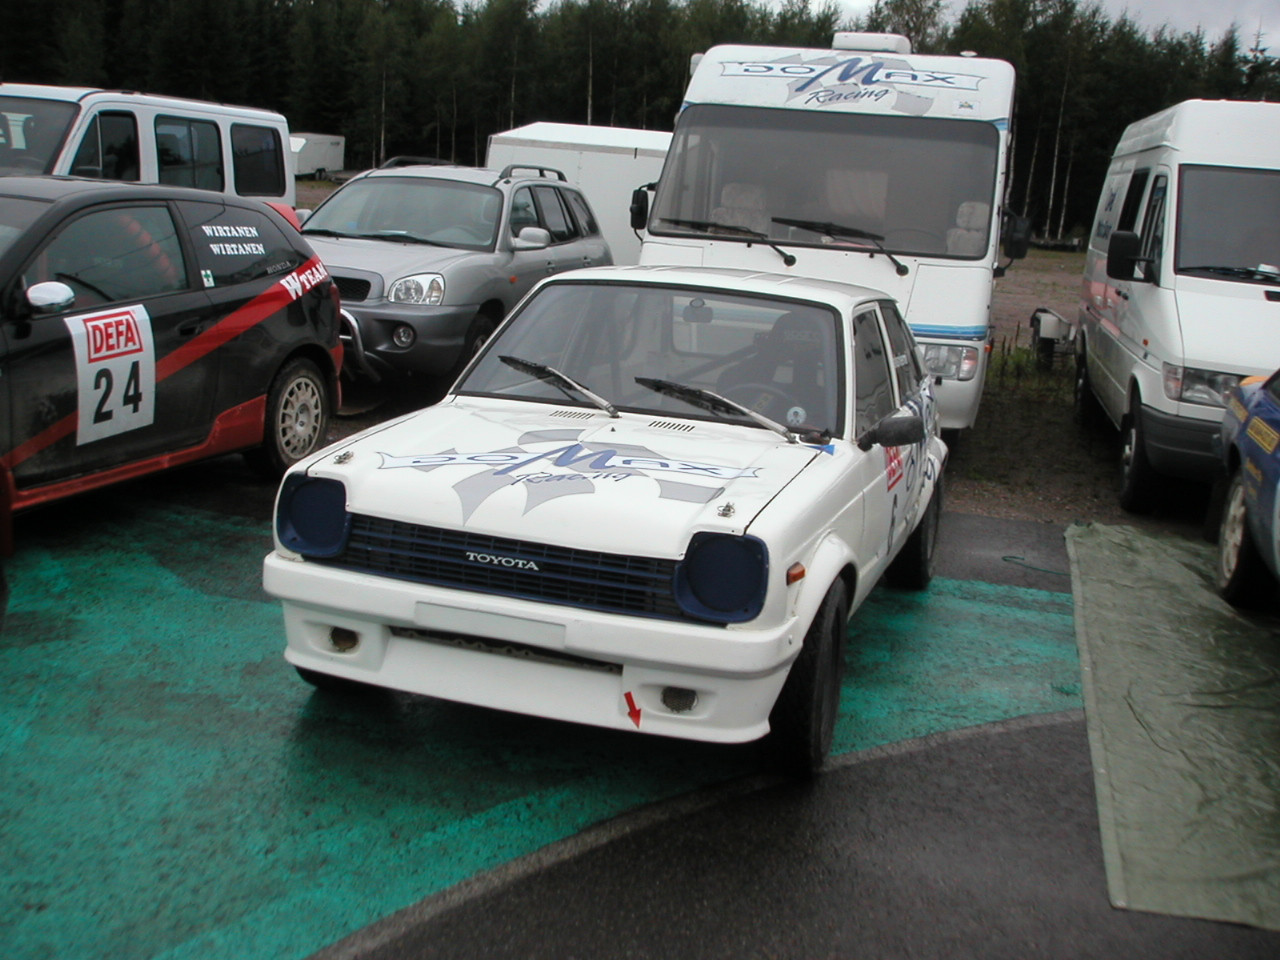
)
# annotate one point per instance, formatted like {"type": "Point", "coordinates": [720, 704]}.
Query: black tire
{"type": "Point", "coordinates": [803, 719]}
{"type": "Point", "coordinates": [1087, 410]}
{"type": "Point", "coordinates": [296, 420]}
{"type": "Point", "coordinates": [1137, 476]}
{"type": "Point", "coordinates": [912, 568]}
{"type": "Point", "coordinates": [1242, 577]}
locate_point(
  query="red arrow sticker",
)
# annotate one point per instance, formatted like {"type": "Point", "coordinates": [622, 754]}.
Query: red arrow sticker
{"type": "Point", "coordinates": [632, 710]}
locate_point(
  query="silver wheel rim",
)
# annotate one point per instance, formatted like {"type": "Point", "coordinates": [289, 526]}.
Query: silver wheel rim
{"type": "Point", "coordinates": [1231, 537]}
{"type": "Point", "coordinates": [299, 417]}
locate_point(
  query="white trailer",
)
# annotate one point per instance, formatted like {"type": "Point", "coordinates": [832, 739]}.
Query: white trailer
{"type": "Point", "coordinates": [318, 154]}
{"type": "Point", "coordinates": [863, 163]}
{"type": "Point", "coordinates": [606, 163]}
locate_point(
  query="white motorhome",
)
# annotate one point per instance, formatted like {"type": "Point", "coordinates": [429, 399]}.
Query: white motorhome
{"type": "Point", "coordinates": [1181, 293]}
{"type": "Point", "coordinates": [863, 163]}
{"type": "Point", "coordinates": [142, 138]}
{"type": "Point", "coordinates": [605, 163]}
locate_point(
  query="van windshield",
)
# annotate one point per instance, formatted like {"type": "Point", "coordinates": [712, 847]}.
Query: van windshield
{"type": "Point", "coordinates": [31, 133]}
{"type": "Point", "coordinates": [1229, 223]}
{"type": "Point", "coordinates": [920, 186]}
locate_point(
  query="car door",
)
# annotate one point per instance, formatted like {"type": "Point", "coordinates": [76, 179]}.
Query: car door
{"type": "Point", "coordinates": [907, 464]}
{"type": "Point", "coordinates": [527, 266]}
{"type": "Point", "coordinates": [874, 399]}
{"type": "Point", "coordinates": [88, 386]}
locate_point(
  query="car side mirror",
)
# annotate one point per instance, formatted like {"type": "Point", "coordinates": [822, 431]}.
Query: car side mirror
{"type": "Point", "coordinates": [532, 238]}
{"type": "Point", "coordinates": [1016, 236]}
{"type": "Point", "coordinates": [51, 296]}
{"type": "Point", "coordinates": [1124, 257]}
{"type": "Point", "coordinates": [640, 207]}
{"type": "Point", "coordinates": [894, 431]}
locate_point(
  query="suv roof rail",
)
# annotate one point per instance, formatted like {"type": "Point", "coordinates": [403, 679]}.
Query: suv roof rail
{"type": "Point", "coordinates": [542, 171]}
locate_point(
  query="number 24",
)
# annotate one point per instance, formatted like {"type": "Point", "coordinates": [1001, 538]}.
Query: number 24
{"type": "Point", "coordinates": [105, 382]}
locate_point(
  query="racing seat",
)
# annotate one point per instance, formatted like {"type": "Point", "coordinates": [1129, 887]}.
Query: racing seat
{"type": "Point", "coordinates": [968, 238]}
{"type": "Point", "coordinates": [787, 376]}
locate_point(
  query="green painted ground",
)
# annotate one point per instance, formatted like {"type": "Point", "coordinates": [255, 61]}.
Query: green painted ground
{"type": "Point", "coordinates": [172, 790]}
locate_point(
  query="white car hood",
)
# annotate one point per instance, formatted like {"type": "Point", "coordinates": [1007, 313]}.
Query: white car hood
{"type": "Point", "coordinates": [634, 485]}
{"type": "Point", "coordinates": [388, 258]}
{"type": "Point", "coordinates": [1228, 326]}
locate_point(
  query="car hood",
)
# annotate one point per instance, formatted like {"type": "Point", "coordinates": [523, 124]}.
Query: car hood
{"type": "Point", "coordinates": [388, 258]}
{"type": "Point", "coordinates": [1229, 326]}
{"type": "Point", "coordinates": [633, 484]}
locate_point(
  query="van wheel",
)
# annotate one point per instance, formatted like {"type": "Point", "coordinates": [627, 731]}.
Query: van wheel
{"type": "Point", "coordinates": [803, 719]}
{"type": "Point", "coordinates": [297, 418]}
{"type": "Point", "coordinates": [912, 568]}
{"type": "Point", "coordinates": [1088, 412]}
{"type": "Point", "coordinates": [1137, 476]}
{"type": "Point", "coordinates": [1242, 576]}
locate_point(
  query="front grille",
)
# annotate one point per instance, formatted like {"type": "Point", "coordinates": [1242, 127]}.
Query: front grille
{"type": "Point", "coordinates": [608, 582]}
{"type": "Point", "coordinates": [352, 288]}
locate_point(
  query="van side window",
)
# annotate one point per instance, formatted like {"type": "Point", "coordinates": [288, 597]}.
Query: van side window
{"type": "Point", "coordinates": [109, 150]}
{"type": "Point", "coordinates": [237, 245]}
{"type": "Point", "coordinates": [874, 394]}
{"type": "Point", "coordinates": [1133, 200]}
{"type": "Point", "coordinates": [257, 158]}
{"type": "Point", "coordinates": [1153, 223]}
{"type": "Point", "coordinates": [189, 153]}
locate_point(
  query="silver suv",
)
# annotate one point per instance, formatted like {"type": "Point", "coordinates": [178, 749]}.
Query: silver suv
{"type": "Point", "coordinates": [429, 259]}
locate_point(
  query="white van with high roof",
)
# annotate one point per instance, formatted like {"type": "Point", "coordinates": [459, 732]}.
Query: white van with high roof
{"type": "Point", "coordinates": [143, 138]}
{"type": "Point", "coordinates": [1181, 293]}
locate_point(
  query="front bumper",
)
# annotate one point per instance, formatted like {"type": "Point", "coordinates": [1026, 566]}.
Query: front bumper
{"type": "Point", "coordinates": [1180, 446]}
{"type": "Point", "coordinates": [544, 660]}
{"type": "Point", "coordinates": [440, 333]}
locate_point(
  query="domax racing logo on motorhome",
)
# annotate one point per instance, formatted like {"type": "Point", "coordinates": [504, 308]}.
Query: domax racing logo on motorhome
{"type": "Point", "coordinates": [831, 71]}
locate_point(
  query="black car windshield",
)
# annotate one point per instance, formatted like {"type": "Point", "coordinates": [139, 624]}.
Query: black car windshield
{"type": "Point", "coordinates": [412, 209]}
{"type": "Point", "coordinates": [31, 131]}
{"type": "Point", "coordinates": [16, 215]}
{"type": "Point", "coordinates": [1229, 223]}
{"type": "Point", "coordinates": [780, 358]}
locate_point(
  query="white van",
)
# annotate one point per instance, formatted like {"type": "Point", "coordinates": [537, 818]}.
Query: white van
{"type": "Point", "coordinates": [120, 135]}
{"type": "Point", "coordinates": [1181, 293]}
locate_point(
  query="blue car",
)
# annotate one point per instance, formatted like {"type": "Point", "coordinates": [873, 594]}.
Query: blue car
{"type": "Point", "coordinates": [1249, 533]}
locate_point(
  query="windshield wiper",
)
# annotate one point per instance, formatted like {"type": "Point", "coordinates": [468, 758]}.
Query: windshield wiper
{"type": "Point", "coordinates": [323, 232]}
{"type": "Point", "coordinates": [829, 229]}
{"type": "Point", "coordinates": [722, 407]}
{"type": "Point", "coordinates": [562, 380]}
{"type": "Point", "coordinates": [1248, 272]}
{"type": "Point", "coordinates": [706, 226]}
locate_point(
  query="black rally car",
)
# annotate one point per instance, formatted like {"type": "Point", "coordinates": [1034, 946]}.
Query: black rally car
{"type": "Point", "coordinates": [146, 326]}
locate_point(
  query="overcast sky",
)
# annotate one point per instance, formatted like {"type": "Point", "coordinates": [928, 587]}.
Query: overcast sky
{"type": "Point", "coordinates": [1181, 15]}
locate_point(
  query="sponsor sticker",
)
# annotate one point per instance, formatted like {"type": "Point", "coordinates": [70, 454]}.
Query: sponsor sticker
{"type": "Point", "coordinates": [115, 372]}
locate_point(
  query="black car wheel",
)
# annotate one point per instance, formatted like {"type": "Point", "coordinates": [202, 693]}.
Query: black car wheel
{"type": "Point", "coordinates": [297, 417]}
{"type": "Point", "coordinates": [1242, 575]}
{"type": "Point", "coordinates": [1137, 476]}
{"type": "Point", "coordinates": [912, 568]}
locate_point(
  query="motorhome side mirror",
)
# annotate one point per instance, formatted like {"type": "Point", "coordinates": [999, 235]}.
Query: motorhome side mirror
{"type": "Point", "coordinates": [639, 208]}
{"type": "Point", "coordinates": [894, 431]}
{"type": "Point", "coordinates": [1123, 256]}
{"type": "Point", "coordinates": [1017, 236]}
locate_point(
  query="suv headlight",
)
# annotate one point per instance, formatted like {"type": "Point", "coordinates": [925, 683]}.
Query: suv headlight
{"type": "Point", "coordinates": [723, 578]}
{"type": "Point", "coordinates": [425, 288]}
{"type": "Point", "coordinates": [1191, 385]}
{"type": "Point", "coordinates": [951, 363]}
{"type": "Point", "coordinates": [311, 516]}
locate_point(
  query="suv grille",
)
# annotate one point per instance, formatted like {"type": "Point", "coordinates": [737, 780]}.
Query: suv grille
{"type": "Point", "coordinates": [352, 288]}
{"type": "Point", "coordinates": [515, 568]}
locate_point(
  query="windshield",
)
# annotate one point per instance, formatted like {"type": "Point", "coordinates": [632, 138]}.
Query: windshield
{"type": "Point", "coordinates": [412, 209]}
{"type": "Point", "coordinates": [777, 357]}
{"type": "Point", "coordinates": [923, 186]}
{"type": "Point", "coordinates": [1229, 223]}
{"type": "Point", "coordinates": [31, 132]}
{"type": "Point", "coordinates": [16, 215]}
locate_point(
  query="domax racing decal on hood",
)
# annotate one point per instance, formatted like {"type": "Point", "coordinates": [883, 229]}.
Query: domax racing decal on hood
{"type": "Point", "coordinates": [590, 487]}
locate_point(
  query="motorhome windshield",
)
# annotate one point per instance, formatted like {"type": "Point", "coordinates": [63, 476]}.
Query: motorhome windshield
{"type": "Point", "coordinates": [31, 131]}
{"type": "Point", "coordinates": [922, 186]}
{"type": "Point", "coordinates": [1229, 223]}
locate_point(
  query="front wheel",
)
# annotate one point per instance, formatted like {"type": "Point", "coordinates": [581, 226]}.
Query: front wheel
{"type": "Point", "coordinates": [1242, 575]}
{"type": "Point", "coordinates": [803, 721]}
{"type": "Point", "coordinates": [297, 417]}
{"type": "Point", "coordinates": [912, 568]}
{"type": "Point", "coordinates": [1137, 476]}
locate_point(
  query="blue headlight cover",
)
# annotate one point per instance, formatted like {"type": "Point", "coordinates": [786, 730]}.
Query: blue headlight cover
{"type": "Point", "coordinates": [723, 578]}
{"type": "Point", "coordinates": [311, 516]}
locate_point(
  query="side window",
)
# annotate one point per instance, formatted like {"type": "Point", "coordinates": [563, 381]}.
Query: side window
{"type": "Point", "coordinates": [237, 245]}
{"type": "Point", "coordinates": [1153, 222]}
{"type": "Point", "coordinates": [121, 253]}
{"type": "Point", "coordinates": [257, 156]}
{"type": "Point", "coordinates": [109, 149]}
{"type": "Point", "coordinates": [1133, 200]}
{"type": "Point", "coordinates": [586, 221]}
{"type": "Point", "coordinates": [902, 347]}
{"type": "Point", "coordinates": [523, 212]}
{"type": "Point", "coordinates": [873, 398]}
{"type": "Point", "coordinates": [189, 153]}
{"type": "Point", "coordinates": [554, 215]}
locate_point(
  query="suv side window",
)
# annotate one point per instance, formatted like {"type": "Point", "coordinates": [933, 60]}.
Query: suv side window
{"type": "Point", "coordinates": [873, 400]}
{"type": "Point", "coordinates": [554, 215]}
{"type": "Point", "coordinates": [237, 245]}
{"type": "Point", "coordinates": [189, 152]}
{"type": "Point", "coordinates": [257, 157]}
{"type": "Point", "coordinates": [120, 253]}
{"type": "Point", "coordinates": [586, 221]}
{"type": "Point", "coordinates": [109, 149]}
{"type": "Point", "coordinates": [523, 212]}
{"type": "Point", "coordinates": [906, 363]}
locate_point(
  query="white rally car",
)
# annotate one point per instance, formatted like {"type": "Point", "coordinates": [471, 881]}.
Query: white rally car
{"type": "Point", "coordinates": [651, 503]}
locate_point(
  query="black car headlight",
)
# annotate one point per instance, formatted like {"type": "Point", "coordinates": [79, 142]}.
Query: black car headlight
{"type": "Point", "coordinates": [723, 578]}
{"type": "Point", "coordinates": [311, 516]}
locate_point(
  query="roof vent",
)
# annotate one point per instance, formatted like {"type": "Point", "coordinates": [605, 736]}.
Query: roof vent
{"type": "Point", "coordinates": [871, 42]}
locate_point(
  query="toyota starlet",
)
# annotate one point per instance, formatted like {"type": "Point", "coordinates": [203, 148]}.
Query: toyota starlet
{"type": "Point", "coordinates": [651, 503]}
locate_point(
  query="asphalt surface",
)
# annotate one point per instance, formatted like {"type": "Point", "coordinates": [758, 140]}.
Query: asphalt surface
{"type": "Point", "coordinates": [982, 842]}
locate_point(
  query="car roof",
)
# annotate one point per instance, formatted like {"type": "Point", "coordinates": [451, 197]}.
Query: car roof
{"type": "Point", "coordinates": [844, 296]}
{"type": "Point", "coordinates": [54, 189]}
